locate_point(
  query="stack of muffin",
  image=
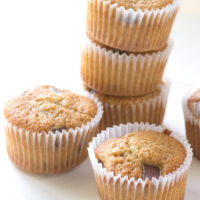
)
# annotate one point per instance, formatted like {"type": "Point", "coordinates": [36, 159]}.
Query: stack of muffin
{"type": "Point", "coordinates": [124, 57]}
{"type": "Point", "coordinates": [48, 129]}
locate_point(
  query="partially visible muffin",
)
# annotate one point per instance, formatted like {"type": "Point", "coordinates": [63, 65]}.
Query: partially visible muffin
{"type": "Point", "coordinates": [193, 103]}
{"type": "Point", "coordinates": [128, 155]}
{"type": "Point", "coordinates": [48, 129]}
{"type": "Point", "coordinates": [121, 110]}
{"type": "Point", "coordinates": [191, 109]}
{"type": "Point", "coordinates": [134, 26]}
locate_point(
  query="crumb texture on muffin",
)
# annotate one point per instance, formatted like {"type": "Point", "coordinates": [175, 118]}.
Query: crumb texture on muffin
{"type": "Point", "coordinates": [128, 155]}
{"type": "Point", "coordinates": [142, 4]}
{"type": "Point", "coordinates": [46, 108]}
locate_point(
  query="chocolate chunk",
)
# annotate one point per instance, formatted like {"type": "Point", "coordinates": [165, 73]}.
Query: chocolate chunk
{"type": "Point", "coordinates": [58, 129]}
{"type": "Point", "coordinates": [80, 147]}
{"type": "Point", "coordinates": [101, 163]}
{"type": "Point", "coordinates": [150, 171]}
{"type": "Point", "coordinates": [167, 132]}
{"type": "Point", "coordinates": [56, 143]}
{"type": "Point", "coordinates": [64, 142]}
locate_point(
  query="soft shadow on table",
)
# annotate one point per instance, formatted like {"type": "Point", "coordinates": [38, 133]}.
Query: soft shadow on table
{"type": "Point", "coordinates": [76, 184]}
{"type": "Point", "coordinates": [79, 184]}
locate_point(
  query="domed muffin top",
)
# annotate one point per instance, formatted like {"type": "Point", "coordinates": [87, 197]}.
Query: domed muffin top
{"type": "Point", "coordinates": [47, 108]}
{"type": "Point", "coordinates": [142, 154]}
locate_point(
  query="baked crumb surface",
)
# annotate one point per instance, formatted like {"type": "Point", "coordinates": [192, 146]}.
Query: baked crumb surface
{"type": "Point", "coordinates": [46, 108]}
{"type": "Point", "coordinates": [127, 155]}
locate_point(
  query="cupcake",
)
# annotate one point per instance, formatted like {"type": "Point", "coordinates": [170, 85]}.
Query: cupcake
{"type": "Point", "coordinates": [140, 161]}
{"type": "Point", "coordinates": [191, 109]}
{"type": "Point", "coordinates": [122, 74]}
{"type": "Point", "coordinates": [148, 108]}
{"type": "Point", "coordinates": [48, 129]}
{"type": "Point", "coordinates": [131, 25]}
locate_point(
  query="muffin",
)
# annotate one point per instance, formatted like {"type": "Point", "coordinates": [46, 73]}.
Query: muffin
{"type": "Point", "coordinates": [120, 73]}
{"type": "Point", "coordinates": [131, 25]}
{"type": "Point", "coordinates": [48, 129]}
{"type": "Point", "coordinates": [121, 110]}
{"type": "Point", "coordinates": [140, 161]}
{"type": "Point", "coordinates": [191, 109]}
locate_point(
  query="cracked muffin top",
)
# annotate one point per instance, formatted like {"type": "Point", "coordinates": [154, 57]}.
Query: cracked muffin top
{"type": "Point", "coordinates": [46, 108]}
{"type": "Point", "coordinates": [142, 4]}
{"type": "Point", "coordinates": [144, 154]}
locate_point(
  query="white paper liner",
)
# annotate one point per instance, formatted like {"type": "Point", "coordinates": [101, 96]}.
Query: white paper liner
{"type": "Point", "coordinates": [171, 186]}
{"type": "Point", "coordinates": [192, 125]}
{"type": "Point", "coordinates": [150, 110]}
{"type": "Point", "coordinates": [117, 74]}
{"type": "Point", "coordinates": [50, 152]}
{"type": "Point", "coordinates": [130, 30]}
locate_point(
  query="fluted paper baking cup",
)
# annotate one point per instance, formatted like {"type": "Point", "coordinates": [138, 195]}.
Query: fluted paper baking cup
{"type": "Point", "coordinates": [114, 187]}
{"type": "Point", "coordinates": [130, 30]}
{"type": "Point", "coordinates": [134, 109]}
{"type": "Point", "coordinates": [122, 74]}
{"type": "Point", "coordinates": [192, 125]}
{"type": "Point", "coordinates": [48, 152]}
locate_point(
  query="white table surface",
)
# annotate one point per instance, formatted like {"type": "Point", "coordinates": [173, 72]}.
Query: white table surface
{"type": "Point", "coordinates": [39, 44]}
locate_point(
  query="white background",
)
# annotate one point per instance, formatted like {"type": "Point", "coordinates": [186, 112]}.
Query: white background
{"type": "Point", "coordinates": [40, 44]}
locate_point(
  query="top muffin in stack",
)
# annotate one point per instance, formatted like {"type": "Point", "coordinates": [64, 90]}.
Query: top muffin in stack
{"type": "Point", "coordinates": [127, 46]}
{"type": "Point", "coordinates": [131, 25]}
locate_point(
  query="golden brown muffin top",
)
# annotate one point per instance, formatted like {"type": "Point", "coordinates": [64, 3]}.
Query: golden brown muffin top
{"type": "Point", "coordinates": [118, 100]}
{"type": "Point", "coordinates": [129, 154]}
{"type": "Point", "coordinates": [142, 4]}
{"type": "Point", "coordinates": [194, 104]}
{"type": "Point", "coordinates": [46, 108]}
